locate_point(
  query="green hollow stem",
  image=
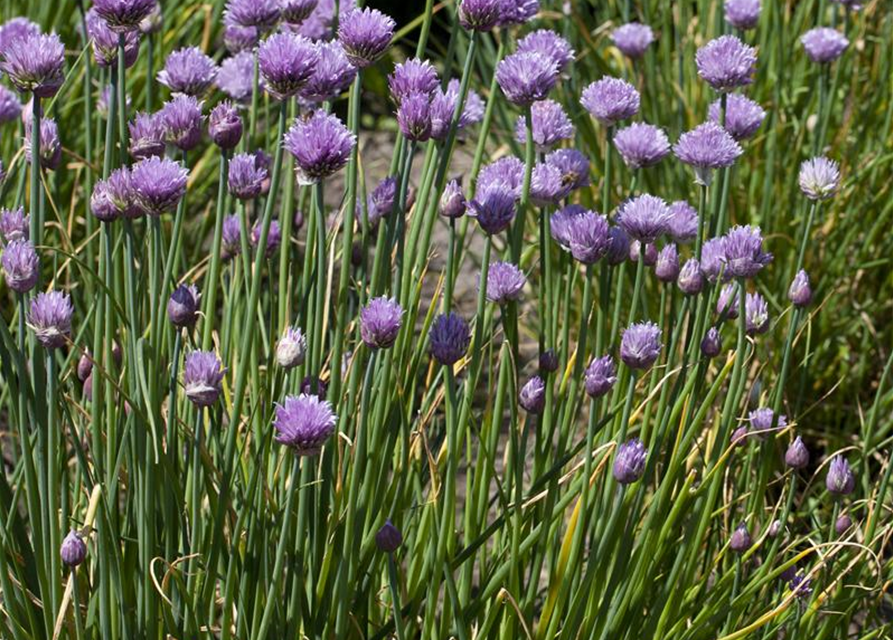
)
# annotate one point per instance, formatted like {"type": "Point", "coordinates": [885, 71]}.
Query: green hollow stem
{"type": "Point", "coordinates": [394, 583]}
{"type": "Point", "coordinates": [211, 288]}
{"type": "Point", "coordinates": [517, 236]}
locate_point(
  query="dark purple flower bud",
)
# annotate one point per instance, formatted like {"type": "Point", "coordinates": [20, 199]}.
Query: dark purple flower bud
{"type": "Point", "coordinates": [291, 349]}
{"type": "Point", "coordinates": [14, 225]}
{"type": "Point", "coordinates": [667, 266]}
{"type": "Point", "coordinates": [548, 43]}
{"type": "Point", "coordinates": [635, 252]}
{"type": "Point", "coordinates": [645, 218]}
{"type": "Point", "coordinates": [573, 165]}
{"type": "Point", "coordinates": [744, 252]}
{"type": "Point", "coordinates": [600, 376]}
{"type": "Point", "coordinates": [158, 184]}
{"type": "Point", "coordinates": [274, 236]}
{"type": "Point", "coordinates": [449, 338]}
{"type": "Point", "coordinates": [262, 14]}
{"type": "Point", "coordinates": [640, 345]}
{"type": "Point", "coordinates": [743, 116]}
{"type": "Point", "coordinates": [619, 247]}
{"type": "Point", "coordinates": [706, 148]}
{"type": "Point", "coordinates": [610, 100]}
{"type": "Point", "coordinates": [50, 147]}
{"type": "Point", "coordinates": [823, 44]}
{"type": "Point", "coordinates": [533, 395]}
{"type": "Point", "coordinates": [756, 313]}
{"type": "Point", "coordinates": [414, 118]}
{"type": "Point", "coordinates": [629, 461]}
{"type": "Point", "coordinates": [225, 125]}
{"type": "Point", "coordinates": [146, 136]}
{"type": "Point", "coordinates": [321, 145]}
{"type": "Point", "coordinates": [16, 29]}
{"type": "Point", "coordinates": [728, 305]}
{"type": "Point", "coordinates": [123, 15]}
{"type": "Point", "coordinates": [87, 388]}
{"type": "Point", "coordinates": [105, 42]}
{"type": "Point", "coordinates": [236, 77]}
{"type": "Point", "coordinates": [188, 71]}
{"type": "Point", "coordinates": [412, 77]}
{"type": "Point", "coordinates": [10, 107]}
{"type": "Point", "coordinates": [761, 421]}
{"type": "Point", "coordinates": [388, 539]}
{"type": "Point", "coordinates": [183, 306]}
{"type": "Point", "coordinates": [245, 179]}
{"type": "Point", "coordinates": [73, 550]}
{"type": "Point", "coordinates": [50, 318]}
{"type": "Point", "coordinates": [742, 14]}
{"type": "Point", "coordinates": [550, 125]}
{"type": "Point", "coordinates": [443, 108]}
{"type": "Point", "coordinates": [800, 293]}
{"type": "Point", "coordinates": [294, 12]}
{"type": "Point", "coordinates": [843, 523]}
{"type": "Point", "coordinates": [683, 224]}
{"type": "Point", "coordinates": [494, 211]}
{"type": "Point", "coordinates": [589, 237]}
{"type": "Point", "coordinates": [526, 77]}
{"type": "Point", "coordinates": [480, 15]}
{"type": "Point", "coordinates": [182, 118]}
{"type": "Point", "coordinates": [365, 35]}
{"type": "Point", "coordinates": [740, 540]}
{"type": "Point", "coordinates": [726, 63]}
{"type": "Point", "coordinates": [85, 366]}
{"type": "Point", "coordinates": [505, 282]}
{"type": "Point", "coordinates": [452, 201]}
{"type": "Point", "coordinates": [797, 455]}
{"type": "Point", "coordinates": [633, 39]}
{"type": "Point", "coordinates": [800, 586]}
{"type": "Point", "coordinates": [690, 279]}
{"type": "Point", "coordinates": [20, 266]}
{"type": "Point", "coordinates": [713, 259]}
{"type": "Point", "coordinates": [506, 174]}
{"type": "Point", "coordinates": [304, 423]}
{"type": "Point", "coordinates": [641, 145]}
{"type": "Point", "coordinates": [840, 479]}
{"type": "Point", "coordinates": [286, 63]}
{"type": "Point", "coordinates": [332, 74]}
{"type": "Point", "coordinates": [232, 234]}
{"type": "Point", "coordinates": [819, 178]}
{"type": "Point", "coordinates": [202, 376]}
{"type": "Point", "coordinates": [380, 322]}
{"type": "Point", "coordinates": [548, 361]}
{"type": "Point", "coordinates": [788, 574]}
{"type": "Point", "coordinates": [313, 386]}
{"type": "Point", "coordinates": [34, 64]}
{"type": "Point", "coordinates": [711, 345]}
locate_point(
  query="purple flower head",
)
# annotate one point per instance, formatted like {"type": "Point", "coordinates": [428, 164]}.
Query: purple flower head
{"type": "Point", "coordinates": [800, 586]}
{"type": "Point", "coordinates": [14, 225]}
{"type": "Point", "coordinates": [756, 314]}
{"type": "Point", "coordinates": [690, 278]}
{"type": "Point", "coordinates": [480, 15]}
{"type": "Point", "coordinates": [114, 197]}
{"type": "Point", "coordinates": [388, 539]}
{"type": "Point", "coordinates": [232, 235]}
{"type": "Point", "coordinates": [645, 218]}
{"type": "Point", "coordinates": [629, 461]}
{"type": "Point", "coordinates": [365, 35]}
{"type": "Point", "coordinates": [518, 11]}
{"type": "Point", "coordinates": [618, 249]}
{"type": "Point", "coordinates": [548, 361]}
{"type": "Point", "coordinates": [589, 237]}
{"type": "Point", "coordinates": [153, 22]}
{"type": "Point", "coordinates": [105, 42]}
{"type": "Point", "coordinates": [705, 148]}
{"type": "Point", "coordinates": [448, 338]}
{"type": "Point", "coordinates": [600, 376]}
{"type": "Point", "coordinates": [414, 117]}
{"type": "Point", "coordinates": [547, 186]}
{"type": "Point", "coordinates": [16, 29]}
{"type": "Point", "coordinates": [550, 125]}
{"type": "Point", "coordinates": [380, 202]}
{"type": "Point", "coordinates": [494, 210]}
{"type": "Point", "coordinates": [286, 63]}
{"type": "Point", "coordinates": [505, 282]}
{"type": "Point", "coordinates": [840, 479]}
{"type": "Point", "coordinates": [823, 44]}
{"type": "Point", "coordinates": [238, 39]}
{"type": "Point", "coordinates": [610, 100]}
{"type": "Point", "coordinates": [10, 107]}
{"type": "Point", "coordinates": [146, 136]}
{"type": "Point", "coordinates": [331, 76]}
{"type": "Point", "coordinates": [50, 318]}
{"type": "Point", "coordinates": [452, 201]}
{"type": "Point", "coordinates": [123, 15]}
{"type": "Point", "coordinates": [236, 77]}
{"type": "Point", "coordinates": [667, 266]}
{"type": "Point", "coordinates": [641, 145]}
{"type": "Point", "coordinates": [262, 14]}
{"type": "Point", "coordinates": [225, 125]}
{"type": "Point", "coordinates": [649, 257]}
{"type": "Point", "coordinates": [742, 14]}
{"type": "Point", "coordinates": [842, 524]}
{"type": "Point", "coordinates": [159, 184]}
{"type": "Point", "coordinates": [633, 39]}
{"type": "Point", "coordinates": [743, 115]}
{"type": "Point", "coordinates": [202, 377]}
{"type": "Point", "coordinates": [296, 11]}
{"type": "Point", "coordinates": [744, 252]}
{"type": "Point", "coordinates": [547, 43]}
{"type": "Point", "coordinates": [819, 178]}
{"type": "Point", "coordinates": [182, 119]}
{"type": "Point", "coordinates": [711, 345]}
{"type": "Point", "coordinates": [188, 71]}
{"type": "Point", "coordinates": [245, 177]}
{"type": "Point", "coordinates": [526, 77]}
{"type": "Point", "coordinates": [380, 322]}
{"type": "Point", "coordinates": [274, 236]}
{"type": "Point", "coordinates": [728, 305]}
{"type": "Point", "coordinates": [640, 345]}
{"type": "Point", "coordinates": [321, 145]}
{"type": "Point", "coordinates": [683, 224]}
{"type": "Point", "coordinates": [739, 436]}
{"type": "Point", "coordinates": [561, 223]}
{"type": "Point", "coordinates": [761, 421]}
{"type": "Point", "coordinates": [800, 293]}
{"type": "Point", "coordinates": [320, 24]}
{"type": "Point", "coordinates": [505, 174]}
{"type": "Point", "coordinates": [713, 259]}
{"type": "Point", "coordinates": [304, 423]}
{"type": "Point", "coordinates": [412, 77]}
{"type": "Point", "coordinates": [183, 306]}
{"type": "Point", "coordinates": [73, 551]}
{"type": "Point", "coordinates": [573, 165]}
{"type": "Point", "coordinates": [20, 265]}
{"type": "Point", "coordinates": [50, 147]}
{"type": "Point", "coordinates": [726, 63]}
{"type": "Point", "coordinates": [740, 540]}
{"type": "Point", "coordinates": [797, 455]}
{"type": "Point", "coordinates": [291, 348]}
{"type": "Point", "coordinates": [533, 395]}
{"type": "Point", "coordinates": [443, 107]}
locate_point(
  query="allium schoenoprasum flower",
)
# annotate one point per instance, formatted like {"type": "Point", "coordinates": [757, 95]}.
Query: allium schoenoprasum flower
{"type": "Point", "coordinates": [304, 423]}
{"type": "Point", "coordinates": [365, 35]}
{"type": "Point", "coordinates": [202, 377]}
{"type": "Point", "coordinates": [380, 322]}
{"type": "Point", "coordinates": [480, 15]}
{"type": "Point", "coordinates": [274, 236]}
{"type": "Point", "coordinates": [10, 107]}
{"type": "Point", "coordinates": [232, 234]}
{"type": "Point", "coordinates": [744, 252]}
{"type": "Point", "coordinates": [727, 305]}
{"type": "Point", "coordinates": [494, 210]}
{"type": "Point", "coordinates": [690, 279]}
{"type": "Point", "coordinates": [840, 479]}
{"type": "Point", "coordinates": [742, 14]}
{"type": "Point", "coordinates": [641, 145]}
{"type": "Point", "coordinates": [414, 117]}
{"type": "Point", "coordinates": [633, 39]}
{"type": "Point", "coordinates": [153, 22]}
{"type": "Point", "coordinates": [761, 421]}
{"type": "Point", "coordinates": [713, 259]}
{"type": "Point", "coordinates": [102, 102]}
{"type": "Point", "coordinates": [610, 100]}
{"type": "Point", "coordinates": [380, 202]}
{"type": "Point", "coordinates": [823, 44]}
{"type": "Point", "coordinates": [158, 184]}
{"type": "Point", "coordinates": [146, 136]}
{"type": "Point", "coordinates": [532, 396]}
{"type": "Point", "coordinates": [667, 266]}
{"type": "Point", "coordinates": [629, 461]}
{"type": "Point", "coordinates": [452, 201]}
{"type": "Point", "coordinates": [505, 174]}
{"type": "Point", "coordinates": [124, 15]}
{"type": "Point", "coordinates": [548, 43]}
{"type": "Point", "coordinates": [635, 252]}
{"type": "Point", "coordinates": [21, 266]}
{"type": "Point", "coordinates": [225, 125]}
{"type": "Point", "coordinates": [411, 77]}
{"type": "Point", "coordinates": [706, 148]}
{"type": "Point", "coordinates": [245, 178]}
{"type": "Point", "coordinates": [518, 11]}
{"type": "Point", "coordinates": [588, 236]}
{"type": "Point", "coordinates": [237, 38]}
{"type": "Point", "coordinates": [388, 539]}
{"type": "Point", "coordinates": [600, 376]}
{"type": "Point", "coordinates": [797, 455]}
{"type": "Point", "coordinates": [800, 586]}
{"type": "Point", "coordinates": [819, 178]}
{"type": "Point", "coordinates": [526, 77]}
{"type": "Point", "coordinates": [105, 42]}
{"type": "Point", "coordinates": [291, 350]}
{"type": "Point", "coordinates": [644, 218]}
{"type": "Point", "coordinates": [50, 318]}
{"type": "Point", "coordinates": [550, 125]}
{"type": "Point", "coordinates": [711, 345]}
{"type": "Point", "coordinates": [548, 361]}
{"type": "Point", "coordinates": [683, 224]}
{"type": "Point", "coordinates": [331, 76]}
{"type": "Point", "coordinates": [800, 293]}
{"type": "Point", "coordinates": [640, 345]}
{"type": "Point", "coordinates": [50, 146]}
{"type": "Point", "coordinates": [262, 14]}
{"type": "Point", "coordinates": [560, 224]}
{"type": "Point", "coordinates": [114, 197]}
{"type": "Point", "coordinates": [14, 225]}
{"type": "Point", "coordinates": [740, 540]}
{"type": "Point", "coordinates": [726, 63]}
{"type": "Point", "coordinates": [320, 24]}
{"type": "Point", "coordinates": [236, 77]}
{"type": "Point", "coordinates": [505, 282]}
{"type": "Point", "coordinates": [743, 116]}
{"type": "Point", "coordinates": [448, 338]}
{"type": "Point", "coordinates": [183, 306]}
{"type": "Point", "coordinates": [182, 120]}
{"type": "Point", "coordinates": [573, 165]}
{"type": "Point", "coordinates": [313, 386]}
{"type": "Point", "coordinates": [842, 524]}
{"type": "Point", "coordinates": [756, 313]}
{"type": "Point", "coordinates": [739, 436]}
{"type": "Point", "coordinates": [443, 107]}
{"type": "Point", "coordinates": [188, 70]}
{"type": "Point", "coordinates": [618, 249]}
{"type": "Point", "coordinates": [296, 11]}
{"type": "Point", "coordinates": [16, 29]}
{"type": "Point", "coordinates": [321, 145]}
{"type": "Point", "coordinates": [286, 62]}
{"type": "Point", "coordinates": [546, 185]}
{"type": "Point", "coordinates": [73, 551]}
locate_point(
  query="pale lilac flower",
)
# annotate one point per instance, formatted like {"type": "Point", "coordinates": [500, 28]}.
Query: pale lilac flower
{"type": "Point", "coordinates": [641, 145]}
{"type": "Point", "coordinates": [744, 252]}
{"type": "Point", "coordinates": [550, 125]}
{"type": "Point", "coordinates": [321, 145]}
{"type": "Point", "coordinates": [448, 338]}
{"type": "Point", "coordinates": [494, 210]}
{"type": "Point", "coordinates": [153, 22]}
{"type": "Point", "coordinates": [526, 77]}
{"type": "Point", "coordinates": [619, 247]}
{"type": "Point", "coordinates": [332, 74]}
{"type": "Point", "coordinates": [667, 266]}
{"type": "Point", "coordinates": [105, 42]}
{"type": "Point", "coordinates": [304, 423]}
{"type": "Point", "coordinates": [262, 14]}
{"type": "Point", "coordinates": [480, 15]}
{"type": "Point", "coordinates": [506, 174]}
{"type": "Point", "coordinates": [533, 395]}
{"type": "Point", "coordinates": [743, 115]}
{"type": "Point", "coordinates": [452, 201]}
{"type": "Point", "coordinates": [10, 107]}
{"type": "Point", "coordinates": [548, 43]}
{"type": "Point", "coordinates": [823, 44]}
{"type": "Point", "coordinates": [286, 63]}
{"type": "Point", "coordinates": [573, 165]}
{"type": "Point", "coordinates": [711, 345]}
{"type": "Point", "coordinates": [683, 225]}
{"type": "Point", "coordinates": [232, 234]}
{"type": "Point", "coordinates": [561, 222]}
{"type": "Point", "coordinates": [728, 305]}
{"type": "Point", "coordinates": [380, 322]}
{"type": "Point", "coordinates": [188, 70]}
{"type": "Point", "coordinates": [296, 11]}
{"type": "Point", "coordinates": [800, 293]}
{"type": "Point", "coordinates": [124, 15]}
{"type": "Point", "coordinates": [713, 259]}
{"type": "Point", "coordinates": [518, 11]}
{"type": "Point", "coordinates": [629, 462]}
{"type": "Point", "coordinates": [706, 148]}
{"type": "Point", "coordinates": [320, 24]}
{"type": "Point", "coordinates": [633, 39]}
{"type": "Point", "coordinates": [183, 306]}
{"type": "Point", "coordinates": [505, 282]}
{"type": "Point", "coordinates": [380, 202]}
{"type": "Point", "coordinates": [819, 178]}
{"type": "Point", "coordinates": [635, 252]}
{"type": "Point", "coordinates": [34, 63]}
{"type": "Point", "coordinates": [589, 237]}
{"type": "Point", "coordinates": [225, 125]}
{"type": "Point", "coordinates": [742, 14]}
{"type": "Point", "coordinates": [740, 540]}
{"type": "Point", "coordinates": [365, 35]}
{"type": "Point", "coordinates": [21, 266]}
{"type": "Point", "coordinates": [146, 136]}
{"type": "Point", "coordinates": [202, 377]}
{"type": "Point", "coordinates": [443, 107]}
{"type": "Point", "coordinates": [159, 184]}
{"type": "Point", "coordinates": [644, 218]}
{"type": "Point", "coordinates": [840, 479]}
{"type": "Point", "coordinates": [291, 348]}
{"type": "Point", "coordinates": [797, 455]}
{"type": "Point", "coordinates": [600, 376]}
{"type": "Point", "coordinates": [411, 77]}
{"type": "Point", "coordinates": [690, 278]}
{"type": "Point", "coordinates": [50, 318]}
{"type": "Point", "coordinates": [238, 38]}
{"type": "Point", "coordinates": [73, 551]}
{"type": "Point", "coordinates": [182, 119]}
{"type": "Point", "coordinates": [16, 29]}
{"type": "Point", "coordinates": [414, 117]}
{"type": "Point", "coordinates": [640, 345]}
{"type": "Point", "coordinates": [14, 225]}
{"type": "Point", "coordinates": [236, 77]}
{"type": "Point", "coordinates": [546, 185]}
{"type": "Point", "coordinates": [114, 197]}
{"type": "Point", "coordinates": [756, 314]}
{"type": "Point", "coordinates": [274, 236]}
{"type": "Point", "coordinates": [610, 100]}
{"type": "Point", "coordinates": [50, 147]}
{"type": "Point", "coordinates": [726, 63]}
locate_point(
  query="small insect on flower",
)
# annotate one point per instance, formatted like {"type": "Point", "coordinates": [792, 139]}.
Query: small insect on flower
{"type": "Point", "coordinates": [640, 345]}
{"type": "Point", "coordinates": [840, 480]}
{"type": "Point", "coordinates": [202, 377]}
{"type": "Point", "coordinates": [448, 338]}
{"type": "Point", "coordinates": [610, 100]}
{"type": "Point", "coordinates": [600, 376]}
{"type": "Point", "coordinates": [304, 423]}
{"type": "Point", "coordinates": [819, 178]}
{"type": "Point", "coordinates": [380, 322]}
{"type": "Point", "coordinates": [629, 462]}
{"type": "Point", "coordinates": [50, 318]}
{"type": "Point", "coordinates": [73, 551]}
{"type": "Point", "coordinates": [505, 282]}
{"type": "Point", "coordinates": [726, 63]}
{"type": "Point", "coordinates": [321, 145]}
{"type": "Point", "coordinates": [573, 166]}
{"type": "Point", "coordinates": [188, 70]}
{"type": "Point", "coordinates": [633, 39]}
{"type": "Point", "coordinates": [526, 77]}
{"type": "Point", "coordinates": [824, 45]}
{"type": "Point", "coordinates": [365, 35]}
{"type": "Point", "coordinates": [388, 539]}
{"type": "Point", "coordinates": [532, 396]}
